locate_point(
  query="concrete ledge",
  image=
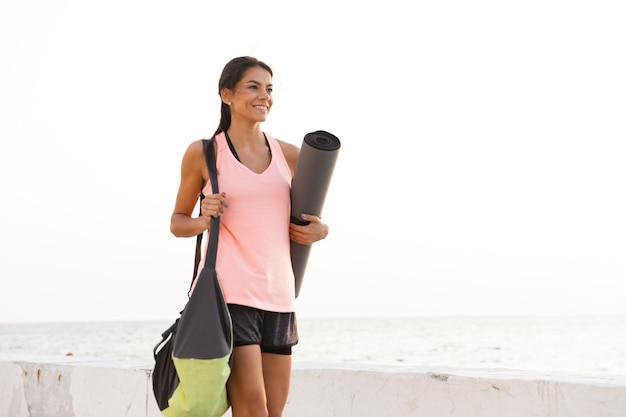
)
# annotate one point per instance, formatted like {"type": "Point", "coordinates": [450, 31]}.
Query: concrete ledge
{"type": "Point", "coordinates": [420, 392]}
{"type": "Point", "coordinates": [74, 387]}
{"type": "Point", "coordinates": [86, 387]}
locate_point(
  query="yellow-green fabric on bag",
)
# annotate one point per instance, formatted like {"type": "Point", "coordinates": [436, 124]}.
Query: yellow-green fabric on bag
{"type": "Point", "coordinates": [190, 397]}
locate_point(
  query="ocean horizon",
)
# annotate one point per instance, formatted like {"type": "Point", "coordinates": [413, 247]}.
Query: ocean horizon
{"type": "Point", "coordinates": [573, 344]}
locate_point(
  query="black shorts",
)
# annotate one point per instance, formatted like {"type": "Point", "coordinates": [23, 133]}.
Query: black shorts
{"type": "Point", "coordinates": [273, 332]}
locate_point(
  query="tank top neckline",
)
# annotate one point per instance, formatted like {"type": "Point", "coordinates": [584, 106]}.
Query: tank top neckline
{"type": "Point", "coordinates": [233, 151]}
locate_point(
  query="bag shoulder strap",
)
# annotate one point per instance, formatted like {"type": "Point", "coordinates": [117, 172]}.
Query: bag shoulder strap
{"type": "Point", "coordinates": [209, 155]}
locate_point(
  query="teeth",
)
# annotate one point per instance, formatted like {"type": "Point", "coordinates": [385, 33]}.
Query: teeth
{"type": "Point", "coordinates": [260, 107]}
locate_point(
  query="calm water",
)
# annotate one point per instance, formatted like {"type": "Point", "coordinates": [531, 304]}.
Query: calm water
{"type": "Point", "coordinates": [570, 344]}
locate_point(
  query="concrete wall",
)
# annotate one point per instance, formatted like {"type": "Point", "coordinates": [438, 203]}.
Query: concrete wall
{"type": "Point", "coordinates": [79, 387]}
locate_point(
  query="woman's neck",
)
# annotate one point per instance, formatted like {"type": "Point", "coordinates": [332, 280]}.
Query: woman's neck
{"type": "Point", "coordinates": [246, 136]}
{"type": "Point", "coordinates": [250, 147]}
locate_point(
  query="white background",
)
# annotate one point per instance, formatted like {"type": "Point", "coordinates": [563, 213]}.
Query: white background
{"type": "Point", "coordinates": [481, 171]}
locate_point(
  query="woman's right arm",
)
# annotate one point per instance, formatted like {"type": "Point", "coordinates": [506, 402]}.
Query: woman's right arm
{"type": "Point", "coordinates": [193, 177]}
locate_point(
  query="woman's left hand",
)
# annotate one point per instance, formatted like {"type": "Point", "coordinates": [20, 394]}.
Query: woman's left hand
{"type": "Point", "coordinates": [309, 234]}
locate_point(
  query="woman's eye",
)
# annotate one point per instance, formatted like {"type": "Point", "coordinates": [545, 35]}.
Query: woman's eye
{"type": "Point", "coordinates": [269, 90]}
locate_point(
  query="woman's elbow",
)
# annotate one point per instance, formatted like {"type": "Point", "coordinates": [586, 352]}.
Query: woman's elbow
{"type": "Point", "coordinates": [175, 227]}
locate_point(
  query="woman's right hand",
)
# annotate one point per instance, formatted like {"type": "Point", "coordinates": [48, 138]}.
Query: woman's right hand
{"type": "Point", "coordinates": [213, 206]}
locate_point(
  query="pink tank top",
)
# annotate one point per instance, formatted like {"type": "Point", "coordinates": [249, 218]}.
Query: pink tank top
{"type": "Point", "coordinates": [253, 256]}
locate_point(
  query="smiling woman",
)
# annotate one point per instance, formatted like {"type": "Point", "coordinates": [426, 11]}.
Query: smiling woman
{"type": "Point", "coordinates": [255, 172]}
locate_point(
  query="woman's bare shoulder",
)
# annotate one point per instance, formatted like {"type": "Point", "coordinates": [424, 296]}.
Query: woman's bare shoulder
{"type": "Point", "coordinates": [291, 153]}
{"type": "Point", "coordinates": [195, 150]}
{"type": "Point", "coordinates": [195, 147]}
{"type": "Point", "coordinates": [289, 149]}
{"type": "Point", "coordinates": [193, 160]}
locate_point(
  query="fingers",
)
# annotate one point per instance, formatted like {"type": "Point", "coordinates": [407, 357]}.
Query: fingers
{"type": "Point", "coordinates": [309, 234]}
{"type": "Point", "coordinates": [299, 235]}
{"type": "Point", "coordinates": [213, 205]}
{"type": "Point", "coordinates": [311, 218]}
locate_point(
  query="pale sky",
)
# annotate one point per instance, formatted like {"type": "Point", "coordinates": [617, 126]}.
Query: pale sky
{"type": "Point", "coordinates": [482, 168]}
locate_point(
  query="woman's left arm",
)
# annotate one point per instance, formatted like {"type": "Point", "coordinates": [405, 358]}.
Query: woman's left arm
{"type": "Point", "coordinates": [314, 231]}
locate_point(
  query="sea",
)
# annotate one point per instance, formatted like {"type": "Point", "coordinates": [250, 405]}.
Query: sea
{"type": "Point", "coordinates": [581, 345]}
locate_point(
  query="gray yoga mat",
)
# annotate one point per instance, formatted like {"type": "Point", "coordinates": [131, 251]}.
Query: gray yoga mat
{"type": "Point", "coordinates": [311, 181]}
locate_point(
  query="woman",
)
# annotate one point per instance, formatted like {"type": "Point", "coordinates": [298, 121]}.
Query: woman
{"type": "Point", "coordinates": [253, 260]}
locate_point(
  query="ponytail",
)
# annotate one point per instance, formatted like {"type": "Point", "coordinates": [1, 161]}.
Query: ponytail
{"type": "Point", "coordinates": [224, 119]}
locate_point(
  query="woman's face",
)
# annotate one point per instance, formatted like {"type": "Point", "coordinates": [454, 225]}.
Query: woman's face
{"type": "Point", "coordinates": [252, 96]}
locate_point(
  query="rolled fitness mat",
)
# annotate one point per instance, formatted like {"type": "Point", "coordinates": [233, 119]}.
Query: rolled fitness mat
{"type": "Point", "coordinates": [311, 180]}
